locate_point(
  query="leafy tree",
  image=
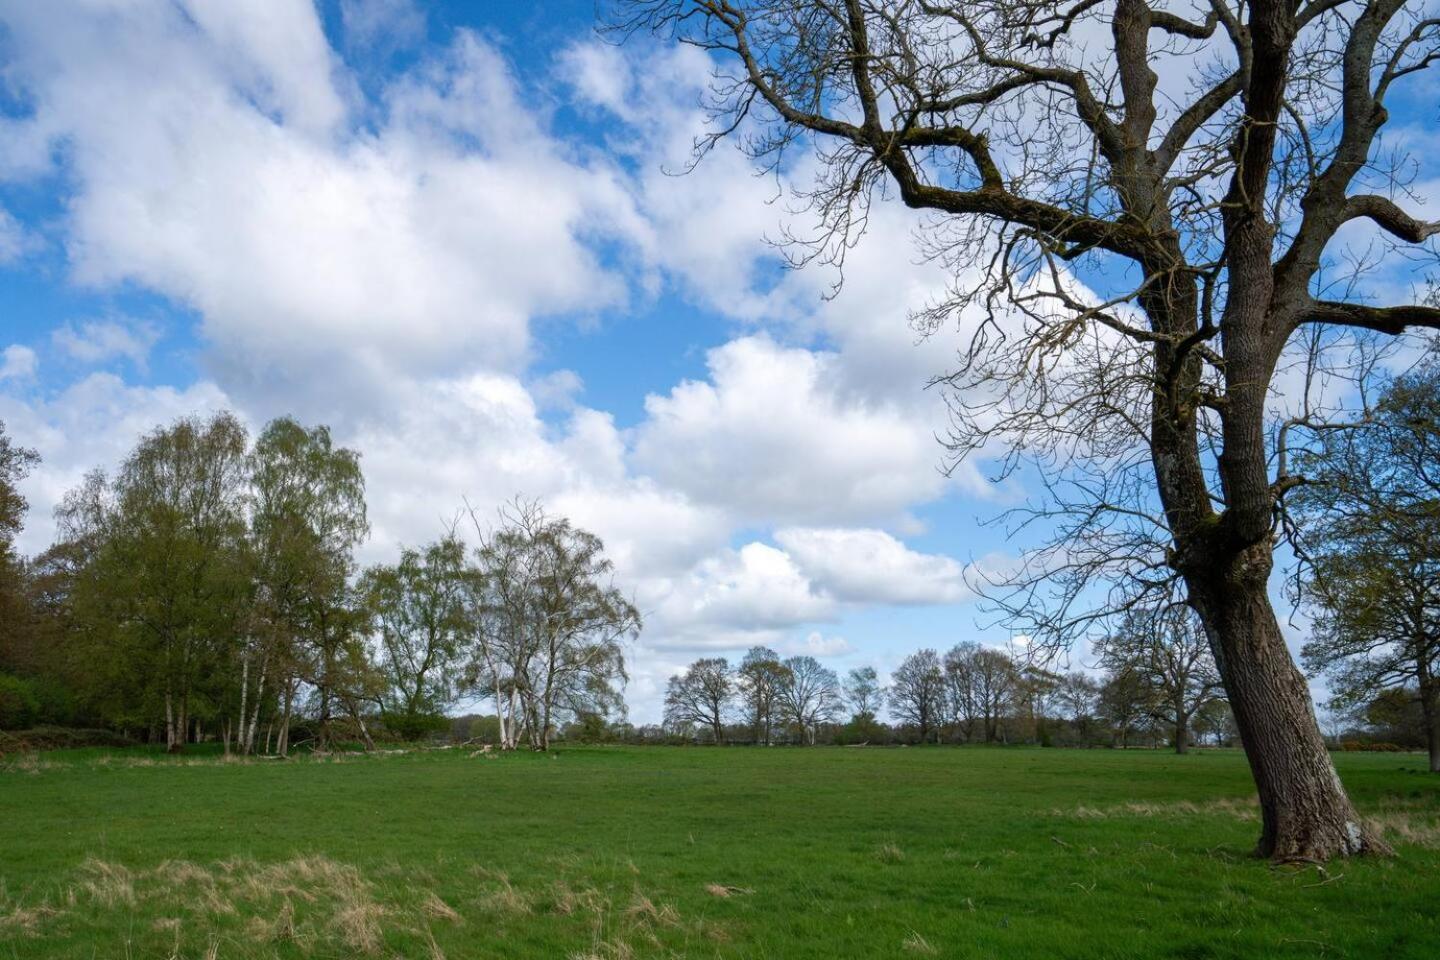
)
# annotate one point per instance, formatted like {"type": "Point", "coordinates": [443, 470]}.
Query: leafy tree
{"type": "Point", "coordinates": [164, 587]}
{"type": "Point", "coordinates": [417, 609]}
{"type": "Point", "coordinates": [307, 516]}
{"type": "Point", "coordinates": [1372, 540]}
{"type": "Point", "coordinates": [1078, 693]}
{"type": "Point", "coordinates": [15, 621]}
{"type": "Point", "coordinates": [701, 695]}
{"type": "Point", "coordinates": [1124, 702]}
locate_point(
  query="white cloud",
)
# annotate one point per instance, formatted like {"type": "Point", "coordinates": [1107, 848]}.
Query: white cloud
{"type": "Point", "coordinates": [871, 566]}
{"type": "Point", "coordinates": [754, 588]}
{"type": "Point", "coordinates": [816, 644]}
{"type": "Point", "coordinates": [382, 23]}
{"type": "Point", "coordinates": [214, 162]}
{"type": "Point", "coordinates": [17, 362]}
{"type": "Point", "coordinates": [99, 341]}
{"type": "Point", "coordinates": [15, 240]}
{"type": "Point", "coordinates": [770, 436]}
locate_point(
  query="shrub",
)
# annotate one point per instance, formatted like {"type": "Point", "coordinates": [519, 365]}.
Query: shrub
{"type": "Point", "coordinates": [19, 707]}
{"type": "Point", "coordinates": [60, 738]}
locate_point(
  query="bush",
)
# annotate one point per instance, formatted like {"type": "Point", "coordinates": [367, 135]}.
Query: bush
{"type": "Point", "coordinates": [60, 738]}
{"type": "Point", "coordinates": [1358, 746]}
{"type": "Point", "coordinates": [19, 706]}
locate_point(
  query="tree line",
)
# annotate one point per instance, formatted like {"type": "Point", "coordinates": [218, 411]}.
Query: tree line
{"type": "Point", "coordinates": [209, 588]}
{"type": "Point", "coordinates": [1159, 685]}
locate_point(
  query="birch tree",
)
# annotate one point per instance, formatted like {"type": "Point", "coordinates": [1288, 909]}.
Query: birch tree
{"type": "Point", "coordinates": [307, 516]}
{"type": "Point", "coordinates": [417, 610]}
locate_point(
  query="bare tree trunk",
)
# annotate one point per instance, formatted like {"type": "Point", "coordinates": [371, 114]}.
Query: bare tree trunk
{"type": "Point", "coordinates": [282, 746]}
{"type": "Point", "coordinates": [1305, 813]}
{"type": "Point", "coordinates": [244, 702]}
{"type": "Point", "coordinates": [1430, 709]}
{"type": "Point", "coordinates": [1182, 725]}
{"type": "Point", "coordinates": [169, 724]}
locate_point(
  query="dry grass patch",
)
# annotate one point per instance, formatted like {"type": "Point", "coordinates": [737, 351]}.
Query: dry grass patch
{"type": "Point", "coordinates": [723, 891]}
{"type": "Point", "coordinates": [501, 897]}
{"type": "Point", "coordinates": [918, 944]}
{"type": "Point", "coordinates": [1241, 809]}
{"type": "Point", "coordinates": [26, 921]}
{"type": "Point", "coordinates": [889, 853]}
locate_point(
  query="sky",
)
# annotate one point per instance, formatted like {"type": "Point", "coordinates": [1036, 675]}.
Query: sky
{"type": "Point", "coordinates": [463, 236]}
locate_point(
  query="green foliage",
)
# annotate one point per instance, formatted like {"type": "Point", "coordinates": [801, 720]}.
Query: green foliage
{"type": "Point", "coordinates": [19, 706]}
{"type": "Point", "coordinates": [817, 854]}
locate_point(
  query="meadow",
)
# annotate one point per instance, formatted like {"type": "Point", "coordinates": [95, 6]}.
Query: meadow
{"type": "Point", "coordinates": [611, 852]}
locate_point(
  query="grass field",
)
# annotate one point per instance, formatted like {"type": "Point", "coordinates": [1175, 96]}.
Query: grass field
{"type": "Point", "coordinates": [663, 852]}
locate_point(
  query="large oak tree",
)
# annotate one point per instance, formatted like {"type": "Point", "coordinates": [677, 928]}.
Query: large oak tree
{"type": "Point", "coordinates": [1040, 141]}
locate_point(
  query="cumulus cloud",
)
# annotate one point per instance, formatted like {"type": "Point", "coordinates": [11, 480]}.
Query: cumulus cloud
{"type": "Point", "coordinates": [769, 435]}
{"type": "Point", "coordinates": [871, 566]}
{"type": "Point", "coordinates": [17, 362]}
{"type": "Point", "coordinates": [99, 341]}
{"type": "Point", "coordinates": [816, 644]}
{"type": "Point", "coordinates": [216, 162]}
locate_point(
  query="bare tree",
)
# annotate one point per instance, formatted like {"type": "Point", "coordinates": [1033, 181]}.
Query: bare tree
{"type": "Point", "coordinates": [1169, 653]}
{"type": "Point", "coordinates": [1078, 694]}
{"type": "Point", "coordinates": [1124, 702]}
{"type": "Point", "coordinates": [701, 695]}
{"type": "Point", "coordinates": [963, 706]}
{"type": "Point", "coordinates": [758, 682]}
{"type": "Point", "coordinates": [1041, 140]}
{"type": "Point", "coordinates": [809, 696]}
{"type": "Point", "coordinates": [917, 693]}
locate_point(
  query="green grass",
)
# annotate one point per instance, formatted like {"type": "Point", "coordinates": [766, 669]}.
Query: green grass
{"type": "Point", "coordinates": [831, 853]}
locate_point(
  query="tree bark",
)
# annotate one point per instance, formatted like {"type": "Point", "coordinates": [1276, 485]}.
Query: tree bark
{"type": "Point", "coordinates": [1305, 812]}
{"type": "Point", "coordinates": [1430, 710]}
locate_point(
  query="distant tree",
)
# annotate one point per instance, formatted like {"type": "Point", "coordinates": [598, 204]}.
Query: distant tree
{"type": "Point", "coordinates": [962, 689]}
{"type": "Point", "coordinates": [418, 611]}
{"type": "Point", "coordinates": [809, 696]}
{"type": "Point", "coordinates": [1372, 532]}
{"type": "Point", "coordinates": [1168, 651]}
{"type": "Point", "coordinates": [758, 682]}
{"type": "Point", "coordinates": [1124, 702]}
{"type": "Point", "coordinates": [917, 693]}
{"type": "Point", "coordinates": [995, 679]}
{"type": "Point", "coordinates": [864, 692]}
{"type": "Point", "coordinates": [1034, 692]}
{"type": "Point", "coordinates": [1078, 693]}
{"type": "Point", "coordinates": [1215, 722]}
{"type": "Point", "coordinates": [701, 695]}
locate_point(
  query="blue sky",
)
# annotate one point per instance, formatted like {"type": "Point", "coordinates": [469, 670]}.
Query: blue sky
{"type": "Point", "coordinates": [452, 232]}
